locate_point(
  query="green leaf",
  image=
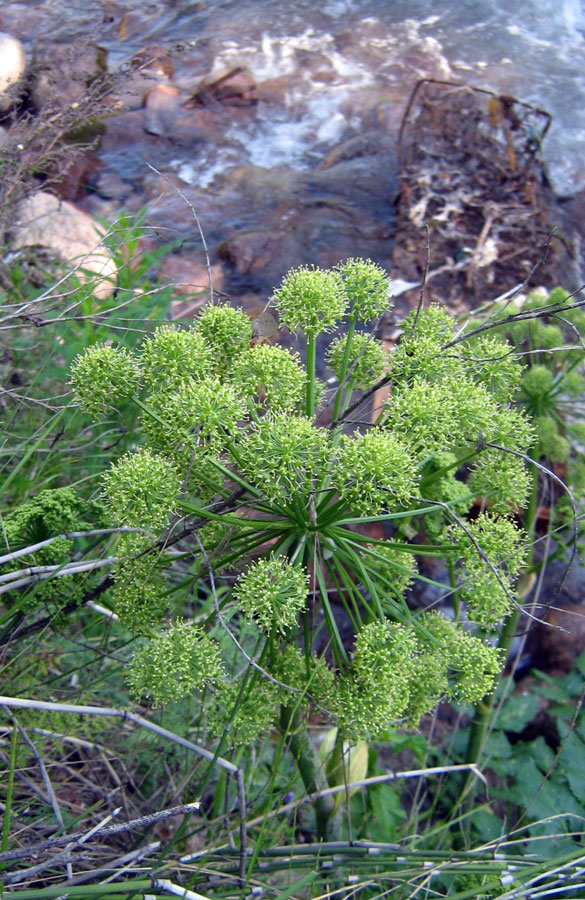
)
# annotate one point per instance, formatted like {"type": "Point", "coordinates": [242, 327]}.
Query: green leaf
{"type": "Point", "coordinates": [517, 712]}
{"type": "Point", "coordinates": [571, 763]}
{"type": "Point", "coordinates": [385, 805]}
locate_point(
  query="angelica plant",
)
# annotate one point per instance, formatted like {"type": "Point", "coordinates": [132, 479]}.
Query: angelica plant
{"type": "Point", "coordinates": [268, 508]}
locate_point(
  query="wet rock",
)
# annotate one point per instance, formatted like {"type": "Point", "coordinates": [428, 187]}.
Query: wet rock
{"type": "Point", "coordinates": [287, 218]}
{"type": "Point", "coordinates": [111, 187]}
{"type": "Point", "coordinates": [256, 250]}
{"type": "Point", "coordinates": [72, 236]}
{"type": "Point", "coordinates": [236, 88]}
{"type": "Point", "coordinates": [63, 73]}
{"type": "Point", "coordinates": [190, 278]}
{"type": "Point", "coordinates": [148, 69]}
{"type": "Point", "coordinates": [161, 107]}
{"type": "Point", "coordinates": [74, 173]}
{"type": "Point", "coordinates": [12, 67]}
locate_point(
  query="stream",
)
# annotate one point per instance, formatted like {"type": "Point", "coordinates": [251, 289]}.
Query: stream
{"type": "Point", "coordinates": [298, 163]}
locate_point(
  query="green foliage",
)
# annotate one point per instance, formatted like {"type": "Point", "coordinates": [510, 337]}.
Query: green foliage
{"type": "Point", "coordinates": [49, 516]}
{"type": "Point", "coordinates": [553, 382]}
{"type": "Point", "coordinates": [538, 779]}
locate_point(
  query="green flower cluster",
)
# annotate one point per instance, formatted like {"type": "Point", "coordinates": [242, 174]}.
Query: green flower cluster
{"type": "Point", "coordinates": [367, 288]}
{"type": "Point", "coordinates": [174, 665]}
{"type": "Point", "coordinates": [311, 300]}
{"type": "Point", "coordinates": [272, 377]}
{"type": "Point", "coordinates": [103, 377]}
{"type": "Point", "coordinates": [233, 427]}
{"type": "Point", "coordinates": [192, 425]}
{"type": "Point", "coordinates": [284, 455]}
{"type": "Point", "coordinates": [142, 489]}
{"type": "Point", "coordinates": [273, 592]}
{"type": "Point", "coordinates": [227, 331]}
{"type": "Point", "coordinates": [492, 555]}
{"type": "Point", "coordinates": [140, 589]}
{"type": "Point", "coordinates": [403, 671]}
{"type": "Point", "coordinates": [174, 355]}
{"type": "Point", "coordinates": [374, 470]}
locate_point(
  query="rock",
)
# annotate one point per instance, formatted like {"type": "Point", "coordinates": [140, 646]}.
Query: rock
{"type": "Point", "coordinates": [554, 647]}
{"type": "Point", "coordinates": [235, 88]}
{"type": "Point", "coordinates": [148, 68]}
{"type": "Point", "coordinates": [4, 139]}
{"type": "Point", "coordinates": [73, 173]}
{"type": "Point", "coordinates": [62, 73]}
{"type": "Point", "coordinates": [110, 186]}
{"type": "Point", "coordinates": [12, 66]}
{"type": "Point", "coordinates": [43, 220]}
{"type": "Point", "coordinates": [190, 278]}
{"type": "Point", "coordinates": [161, 107]}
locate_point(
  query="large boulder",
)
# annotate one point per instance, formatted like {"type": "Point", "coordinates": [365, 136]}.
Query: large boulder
{"type": "Point", "coordinates": [12, 66]}
{"type": "Point", "coordinates": [73, 237]}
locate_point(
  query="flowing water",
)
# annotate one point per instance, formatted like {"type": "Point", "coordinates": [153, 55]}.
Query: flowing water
{"type": "Point", "coordinates": [341, 55]}
{"type": "Point", "coordinates": [326, 74]}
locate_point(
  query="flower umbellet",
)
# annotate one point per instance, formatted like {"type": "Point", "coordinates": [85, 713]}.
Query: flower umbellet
{"type": "Point", "coordinates": [280, 501]}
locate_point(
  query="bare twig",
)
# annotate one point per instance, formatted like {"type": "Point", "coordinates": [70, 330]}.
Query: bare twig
{"type": "Point", "coordinates": [197, 222]}
{"type": "Point", "coordinates": [106, 831]}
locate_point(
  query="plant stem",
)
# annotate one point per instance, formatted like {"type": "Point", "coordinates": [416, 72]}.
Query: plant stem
{"type": "Point", "coordinates": [311, 366]}
{"type": "Point", "coordinates": [344, 368]}
{"type": "Point", "coordinates": [312, 773]}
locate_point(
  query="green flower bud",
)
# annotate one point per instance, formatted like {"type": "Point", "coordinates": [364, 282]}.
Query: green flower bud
{"type": "Point", "coordinates": [142, 489]}
{"type": "Point", "coordinates": [492, 362]}
{"type": "Point", "coordinates": [367, 287]}
{"type": "Point", "coordinates": [199, 416]}
{"type": "Point", "coordinates": [311, 300]}
{"type": "Point", "coordinates": [270, 374]}
{"type": "Point", "coordinates": [573, 383]}
{"type": "Point", "coordinates": [174, 665]}
{"type": "Point", "coordinates": [375, 471]}
{"type": "Point", "coordinates": [284, 455]}
{"type": "Point", "coordinates": [366, 361]}
{"type": "Point", "coordinates": [374, 691]}
{"type": "Point", "coordinates": [552, 445]}
{"type": "Point", "coordinates": [227, 330]}
{"type": "Point", "coordinates": [472, 664]}
{"type": "Point", "coordinates": [139, 589]}
{"type": "Point", "coordinates": [102, 376]}
{"type": "Point", "coordinates": [273, 592]}
{"type": "Point", "coordinates": [537, 384]}
{"type": "Point", "coordinates": [502, 480]}
{"type": "Point", "coordinates": [488, 579]}
{"type": "Point", "coordinates": [173, 355]}
{"type": "Point", "coordinates": [549, 336]}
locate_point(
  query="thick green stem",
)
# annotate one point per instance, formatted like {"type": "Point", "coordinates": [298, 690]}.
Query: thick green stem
{"type": "Point", "coordinates": [312, 773]}
{"type": "Point", "coordinates": [344, 368]}
{"type": "Point", "coordinates": [311, 367]}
